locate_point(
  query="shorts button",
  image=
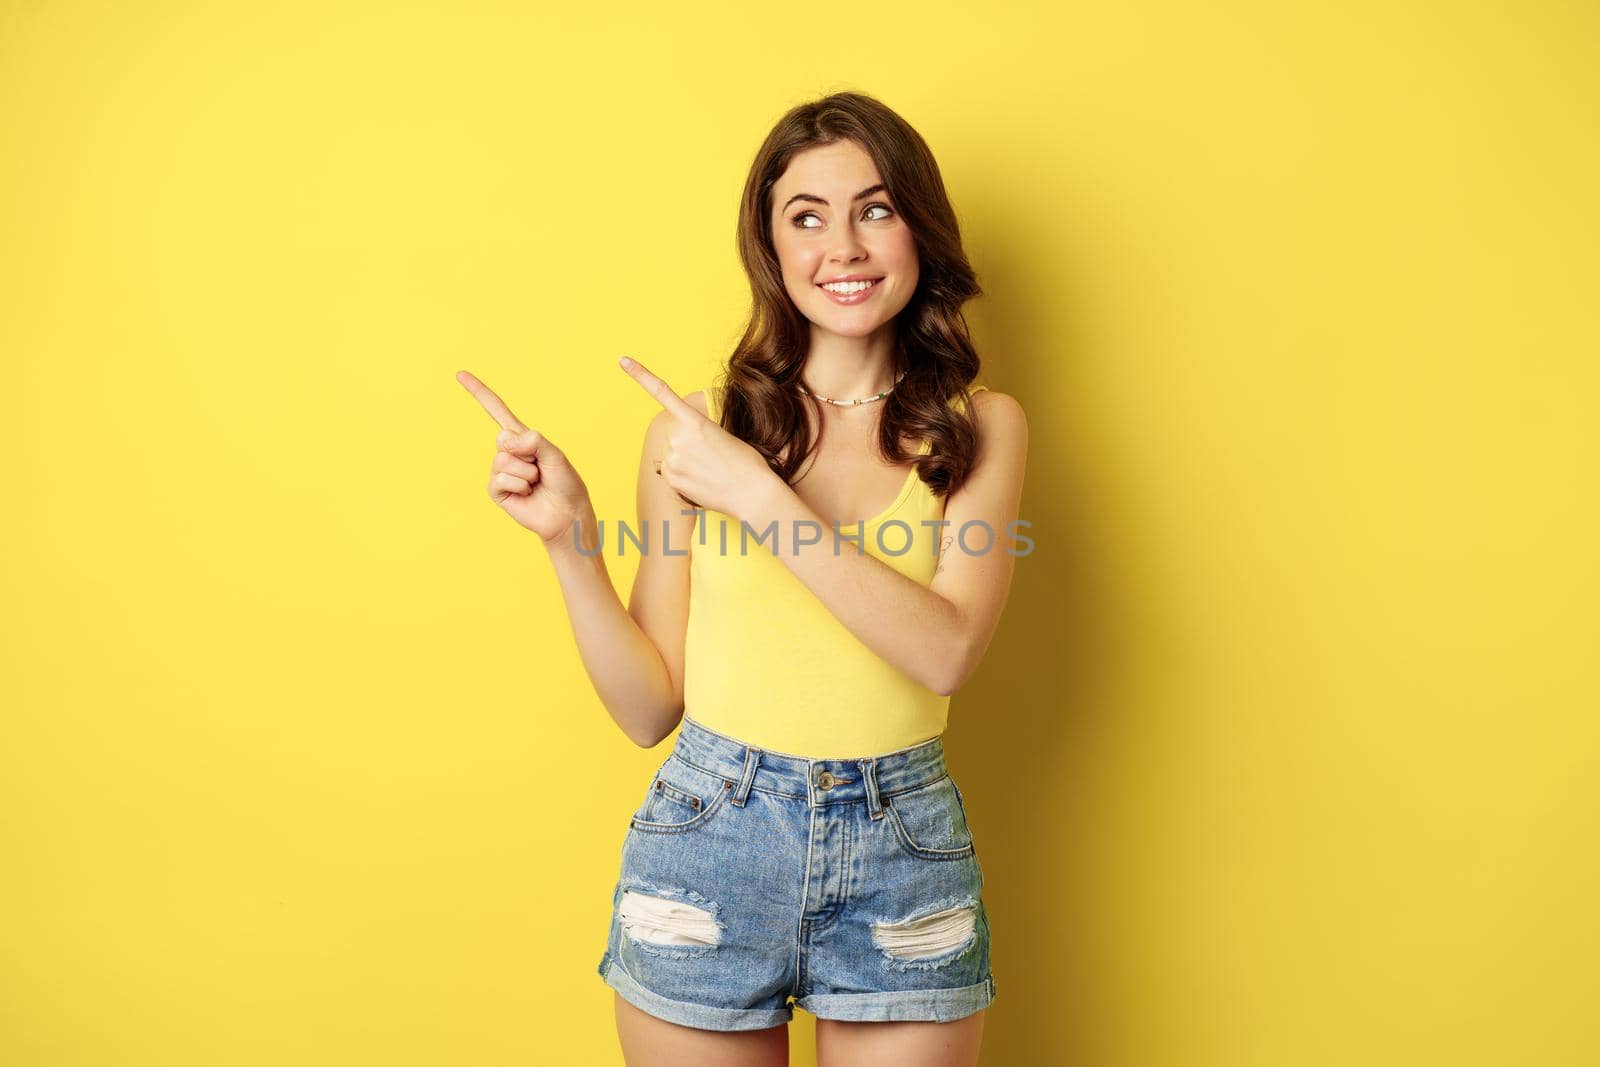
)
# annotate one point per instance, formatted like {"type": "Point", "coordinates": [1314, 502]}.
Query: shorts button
{"type": "Point", "coordinates": [825, 780]}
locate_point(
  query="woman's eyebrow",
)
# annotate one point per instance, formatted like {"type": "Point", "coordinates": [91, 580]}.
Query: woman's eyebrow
{"type": "Point", "coordinates": [880, 187]}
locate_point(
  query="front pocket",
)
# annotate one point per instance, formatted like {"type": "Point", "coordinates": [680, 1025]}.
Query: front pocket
{"type": "Point", "coordinates": [681, 797]}
{"type": "Point", "coordinates": [929, 821]}
{"type": "Point", "coordinates": [669, 804]}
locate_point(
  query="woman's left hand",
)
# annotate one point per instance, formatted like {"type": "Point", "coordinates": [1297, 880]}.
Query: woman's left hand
{"type": "Point", "coordinates": [705, 463]}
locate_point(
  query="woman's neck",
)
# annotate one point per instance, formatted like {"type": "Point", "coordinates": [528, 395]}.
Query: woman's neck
{"type": "Point", "coordinates": [849, 368]}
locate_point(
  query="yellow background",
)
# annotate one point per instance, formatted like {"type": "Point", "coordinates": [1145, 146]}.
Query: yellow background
{"type": "Point", "coordinates": [1285, 752]}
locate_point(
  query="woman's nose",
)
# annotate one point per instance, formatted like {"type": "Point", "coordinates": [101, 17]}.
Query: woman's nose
{"type": "Point", "coordinates": [847, 244]}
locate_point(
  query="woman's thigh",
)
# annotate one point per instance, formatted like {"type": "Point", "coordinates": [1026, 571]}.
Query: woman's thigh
{"type": "Point", "coordinates": [952, 1044]}
{"type": "Point", "coordinates": [651, 1042]}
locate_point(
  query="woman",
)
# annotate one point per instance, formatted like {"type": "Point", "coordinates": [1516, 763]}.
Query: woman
{"type": "Point", "coordinates": [804, 842]}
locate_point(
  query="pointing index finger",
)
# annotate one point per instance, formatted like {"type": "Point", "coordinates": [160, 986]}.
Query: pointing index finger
{"type": "Point", "coordinates": [491, 403]}
{"type": "Point", "coordinates": [659, 389]}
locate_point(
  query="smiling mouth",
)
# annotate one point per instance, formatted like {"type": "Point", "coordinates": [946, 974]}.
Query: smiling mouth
{"type": "Point", "coordinates": [849, 288]}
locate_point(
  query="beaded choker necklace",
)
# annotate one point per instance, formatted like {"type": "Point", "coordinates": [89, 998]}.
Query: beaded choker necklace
{"type": "Point", "coordinates": [851, 403]}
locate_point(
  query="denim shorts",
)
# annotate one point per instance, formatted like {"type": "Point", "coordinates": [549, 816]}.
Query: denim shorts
{"type": "Point", "coordinates": [751, 877]}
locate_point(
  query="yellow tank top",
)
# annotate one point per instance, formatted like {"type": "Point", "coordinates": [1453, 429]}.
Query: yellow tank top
{"type": "Point", "coordinates": [767, 663]}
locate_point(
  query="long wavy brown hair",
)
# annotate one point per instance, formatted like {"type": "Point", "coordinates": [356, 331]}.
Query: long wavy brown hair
{"type": "Point", "coordinates": [932, 347]}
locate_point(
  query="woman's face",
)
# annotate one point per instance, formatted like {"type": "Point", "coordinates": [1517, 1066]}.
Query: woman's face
{"type": "Point", "coordinates": [823, 228]}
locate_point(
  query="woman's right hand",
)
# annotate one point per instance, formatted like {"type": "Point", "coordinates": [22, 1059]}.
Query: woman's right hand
{"type": "Point", "coordinates": [530, 478]}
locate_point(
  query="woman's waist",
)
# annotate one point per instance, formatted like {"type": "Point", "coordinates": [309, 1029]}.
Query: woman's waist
{"type": "Point", "coordinates": [822, 731]}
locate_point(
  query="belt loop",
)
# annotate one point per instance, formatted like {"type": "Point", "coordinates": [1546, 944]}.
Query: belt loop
{"type": "Point", "coordinates": [869, 774]}
{"type": "Point", "coordinates": [752, 756]}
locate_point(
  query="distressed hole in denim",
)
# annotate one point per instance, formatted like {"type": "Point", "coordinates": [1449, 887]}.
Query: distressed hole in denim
{"type": "Point", "coordinates": [676, 928]}
{"type": "Point", "coordinates": [929, 940]}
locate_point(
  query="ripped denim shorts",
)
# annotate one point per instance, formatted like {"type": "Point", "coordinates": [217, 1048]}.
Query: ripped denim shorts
{"type": "Point", "coordinates": [754, 881]}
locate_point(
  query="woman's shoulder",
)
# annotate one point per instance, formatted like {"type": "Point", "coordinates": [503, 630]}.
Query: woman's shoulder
{"type": "Point", "coordinates": [1001, 423]}
{"type": "Point", "coordinates": [989, 401]}
{"type": "Point", "coordinates": [990, 405]}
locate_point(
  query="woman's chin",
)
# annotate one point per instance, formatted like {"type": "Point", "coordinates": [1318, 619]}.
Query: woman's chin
{"type": "Point", "coordinates": [846, 325]}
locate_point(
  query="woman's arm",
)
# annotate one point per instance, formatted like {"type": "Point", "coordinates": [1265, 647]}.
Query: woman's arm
{"type": "Point", "coordinates": [634, 657]}
{"type": "Point", "coordinates": [936, 634]}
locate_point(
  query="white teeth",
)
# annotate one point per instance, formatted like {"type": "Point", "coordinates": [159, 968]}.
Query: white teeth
{"type": "Point", "coordinates": [845, 288]}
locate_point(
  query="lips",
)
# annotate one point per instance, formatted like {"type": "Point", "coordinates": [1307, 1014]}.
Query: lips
{"type": "Point", "coordinates": [856, 297]}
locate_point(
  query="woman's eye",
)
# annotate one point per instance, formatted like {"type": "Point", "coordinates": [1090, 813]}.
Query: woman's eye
{"type": "Point", "coordinates": [812, 215]}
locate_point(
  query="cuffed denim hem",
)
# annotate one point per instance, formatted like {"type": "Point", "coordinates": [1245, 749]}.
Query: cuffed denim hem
{"type": "Point", "coordinates": [912, 1005]}
{"type": "Point", "coordinates": [683, 1012]}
